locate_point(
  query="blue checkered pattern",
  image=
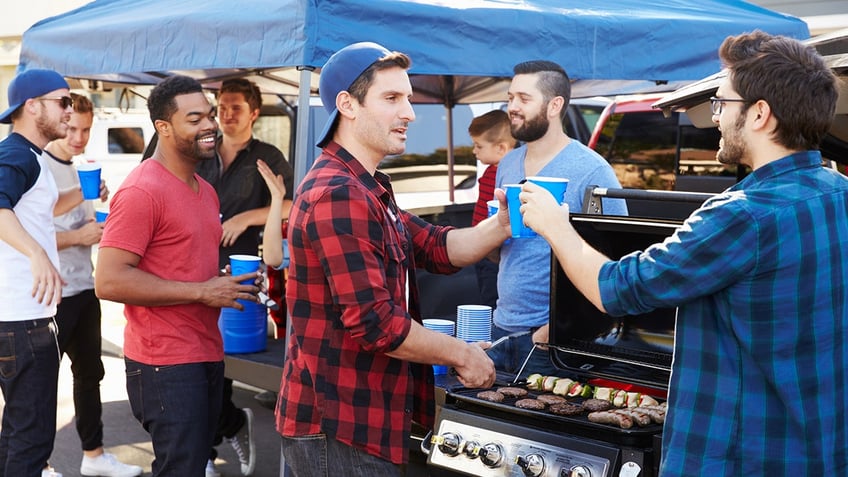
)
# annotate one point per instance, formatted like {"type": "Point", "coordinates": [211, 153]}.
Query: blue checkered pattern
{"type": "Point", "coordinates": [759, 383]}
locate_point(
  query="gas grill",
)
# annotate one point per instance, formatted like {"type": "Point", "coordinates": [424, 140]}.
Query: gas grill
{"type": "Point", "coordinates": [473, 436]}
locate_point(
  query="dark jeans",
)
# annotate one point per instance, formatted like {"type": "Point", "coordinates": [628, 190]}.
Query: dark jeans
{"type": "Point", "coordinates": [231, 419]}
{"type": "Point", "coordinates": [29, 373]}
{"type": "Point", "coordinates": [78, 318]}
{"type": "Point", "coordinates": [487, 282]}
{"type": "Point", "coordinates": [510, 355]}
{"type": "Point", "coordinates": [178, 405]}
{"type": "Point", "coordinates": [320, 456]}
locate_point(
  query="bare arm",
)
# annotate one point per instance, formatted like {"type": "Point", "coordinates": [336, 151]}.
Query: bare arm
{"type": "Point", "coordinates": [471, 244]}
{"type": "Point", "coordinates": [579, 260]}
{"type": "Point", "coordinates": [72, 197]}
{"type": "Point", "coordinates": [272, 237]}
{"type": "Point", "coordinates": [88, 234]}
{"type": "Point", "coordinates": [473, 367]}
{"type": "Point", "coordinates": [46, 281]}
{"type": "Point", "coordinates": [119, 279]}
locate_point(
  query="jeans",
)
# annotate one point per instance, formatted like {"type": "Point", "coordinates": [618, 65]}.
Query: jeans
{"type": "Point", "coordinates": [80, 338]}
{"type": "Point", "coordinates": [29, 373]}
{"type": "Point", "coordinates": [510, 355]}
{"type": "Point", "coordinates": [320, 456]}
{"type": "Point", "coordinates": [178, 405]}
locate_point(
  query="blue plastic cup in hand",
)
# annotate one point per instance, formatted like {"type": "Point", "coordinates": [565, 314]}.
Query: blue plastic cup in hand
{"type": "Point", "coordinates": [89, 175]}
{"type": "Point", "coordinates": [241, 264]}
{"type": "Point", "coordinates": [516, 221]}
{"type": "Point", "coordinates": [555, 185]}
{"type": "Point", "coordinates": [100, 215]}
{"type": "Point", "coordinates": [493, 206]}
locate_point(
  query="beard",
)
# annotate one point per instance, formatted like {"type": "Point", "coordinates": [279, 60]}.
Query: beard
{"type": "Point", "coordinates": [50, 128]}
{"type": "Point", "coordinates": [193, 148]}
{"type": "Point", "coordinates": [733, 149]}
{"type": "Point", "coordinates": [533, 128]}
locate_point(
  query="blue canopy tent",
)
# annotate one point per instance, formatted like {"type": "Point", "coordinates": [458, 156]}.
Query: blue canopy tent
{"type": "Point", "coordinates": [463, 51]}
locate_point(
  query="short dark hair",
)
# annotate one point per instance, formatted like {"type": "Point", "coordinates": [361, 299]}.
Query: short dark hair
{"type": "Point", "coordinates": [360, 86]}
{"type": "Point", "coordinates": [552, 80]}
{"type": "Point", "coordinates": [492, 127]}
{"type": "Point", "coordinates": [161, 103]}
{"type": "Point", "coordinates": [247, 88]}
{"type": "Point", "coordinates": [82, 104]}
{"type": "Point", "coordinates": [791, 77]}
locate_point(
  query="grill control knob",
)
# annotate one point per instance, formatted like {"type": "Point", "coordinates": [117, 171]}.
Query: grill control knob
{"type": "Point", "coordinates": [578, 471]}
{"type": "Point", "coordinates": [449, 444]}
{"type": "Point", "coordinates": [491, 455]}
{"type": "Point", "coordinates": [471, 449]}
{"type": "Point", "coordinates": [533, 465]}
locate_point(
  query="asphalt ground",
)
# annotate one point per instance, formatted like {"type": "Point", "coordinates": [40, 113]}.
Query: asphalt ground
{"type": "Point", "coordinates": [124, 436]}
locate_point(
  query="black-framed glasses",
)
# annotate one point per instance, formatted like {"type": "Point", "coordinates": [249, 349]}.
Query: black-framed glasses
{"type": "Point", "coordinates": [64, 101]}
{"type": "Point", "coordinates": [717, 104]}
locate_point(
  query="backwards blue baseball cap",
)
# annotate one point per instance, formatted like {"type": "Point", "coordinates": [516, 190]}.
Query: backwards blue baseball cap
{"type": "Point", "coordinates": [338, 73]}
{"type": "Point", "coordinates": [31, 84]}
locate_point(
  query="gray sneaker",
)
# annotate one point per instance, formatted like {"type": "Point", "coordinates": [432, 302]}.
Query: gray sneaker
{"type": "Point", "coordinates": [243, 444]}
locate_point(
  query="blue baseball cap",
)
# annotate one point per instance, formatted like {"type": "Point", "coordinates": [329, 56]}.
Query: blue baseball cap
{"type": "Point", "coordinates": [339, 72]}
{"type": "Point", "coordinates": [31, 84]}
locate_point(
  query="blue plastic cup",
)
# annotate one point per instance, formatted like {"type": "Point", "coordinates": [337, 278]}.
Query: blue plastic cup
{"type": "Point", "coordinates": [89, 175]}
{"type": "Point", "coordinates": [516, 221]}
{"type": "Point", "coordinates": [494, 206]}
{"type": "Point", "coordinates": [555, 185]}
{"type": "Point", "coordinates": [100, 215]}
{"type": "Point", "coordinates": [241, 264]}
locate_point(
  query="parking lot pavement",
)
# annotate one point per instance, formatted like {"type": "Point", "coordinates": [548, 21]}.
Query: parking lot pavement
{"type": "Point", "coordinates": [124, 436]}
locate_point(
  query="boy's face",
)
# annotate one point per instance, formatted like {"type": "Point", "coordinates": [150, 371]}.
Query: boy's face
{"type": "Point", "coordinates": [487, 152]}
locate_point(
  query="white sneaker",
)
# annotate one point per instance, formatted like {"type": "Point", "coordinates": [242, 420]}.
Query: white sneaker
{"type": "Point", "coordinates": [50, 472]}
{"type": "Point", "coordinates": [107, 465]}
{"type": "Point", "coordinates": [243, 444]}
{"type": "Point", "coordinates": [211, 471]}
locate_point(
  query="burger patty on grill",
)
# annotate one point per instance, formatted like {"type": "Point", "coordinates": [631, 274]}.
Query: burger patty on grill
{"type": "Point", "coordinates": [566, 409]}
{"type": "Point", "coordinates": [533, 404]}
{"type": "Point", "coordinates": [492, 396]}
{"type": "Point", "coordinates": [551, 399]}
{"type": "Point", "coordinates": [512, 392]}
{"type": "Point", "coordinates": [595, 405]}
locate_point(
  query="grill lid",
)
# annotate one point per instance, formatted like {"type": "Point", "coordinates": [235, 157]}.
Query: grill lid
{"type": "Point", "coordinates": [632, 349]}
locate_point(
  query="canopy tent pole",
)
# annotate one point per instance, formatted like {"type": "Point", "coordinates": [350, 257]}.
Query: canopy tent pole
{"type": "Point", "coordinates": [302, 130]}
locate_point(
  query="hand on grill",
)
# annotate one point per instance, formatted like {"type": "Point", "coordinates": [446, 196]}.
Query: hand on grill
{"type": "Point", "coordinates": [477, 370]}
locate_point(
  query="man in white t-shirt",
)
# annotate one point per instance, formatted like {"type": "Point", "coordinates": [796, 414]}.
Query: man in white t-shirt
{"type": "Point", "coordinates": [78, 315]}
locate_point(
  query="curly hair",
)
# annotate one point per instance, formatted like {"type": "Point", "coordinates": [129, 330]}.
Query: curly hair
{"type": "Point", "coordinates": [161, 103]}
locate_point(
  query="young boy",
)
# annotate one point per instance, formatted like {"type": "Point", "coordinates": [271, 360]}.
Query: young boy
{"type": "Point", "coordinates": [492, 140]}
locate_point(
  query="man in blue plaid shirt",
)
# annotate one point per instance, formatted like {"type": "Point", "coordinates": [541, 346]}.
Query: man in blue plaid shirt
{"type": "Point", "coordinates": [759, 385]}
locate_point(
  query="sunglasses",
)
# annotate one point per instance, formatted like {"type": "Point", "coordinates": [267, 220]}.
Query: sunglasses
{"type": "Point", "coordinates": [65, 101]}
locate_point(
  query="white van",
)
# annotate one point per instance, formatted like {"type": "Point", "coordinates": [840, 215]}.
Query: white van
{"type": "Point", "coordinates": [117, 141]}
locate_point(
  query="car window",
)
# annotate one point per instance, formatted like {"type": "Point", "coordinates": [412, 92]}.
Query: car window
{"type": "Point", "coordinates": [643, 148]}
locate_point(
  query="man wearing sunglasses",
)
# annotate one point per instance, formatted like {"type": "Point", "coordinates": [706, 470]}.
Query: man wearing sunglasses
{"type": "Point", "coordinates": [30, 283]}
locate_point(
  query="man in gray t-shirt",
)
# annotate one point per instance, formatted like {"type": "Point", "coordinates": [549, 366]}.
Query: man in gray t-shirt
{"type": "Point", "coordinates": [538, 98]}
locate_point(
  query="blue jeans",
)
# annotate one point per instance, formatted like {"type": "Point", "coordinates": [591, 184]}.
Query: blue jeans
{"type": "Point", "coordinates": [320, 456]}
{"type": "Point", "coordinates": [178, 405]}
{"type": "Point", "coordinates": [29, 373]}
{"type": "Point", "coordinates": [510, 355]}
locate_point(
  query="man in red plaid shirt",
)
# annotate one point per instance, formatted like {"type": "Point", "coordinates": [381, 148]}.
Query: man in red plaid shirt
{"type": "Point", "coordinates": [358, 366]}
